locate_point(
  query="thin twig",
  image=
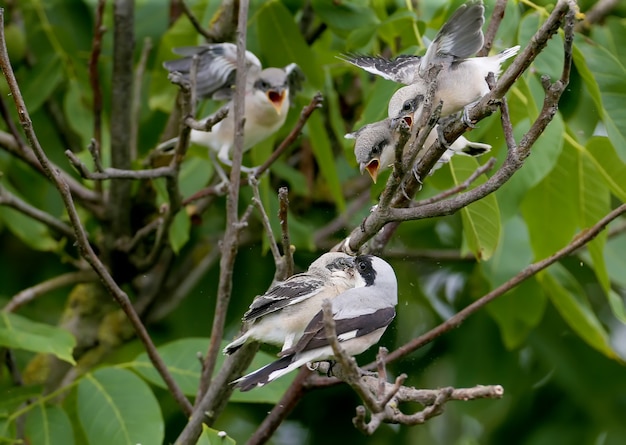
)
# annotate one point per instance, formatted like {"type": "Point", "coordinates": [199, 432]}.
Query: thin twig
{"type": "Point", "coordinates": [230, 241]}
{"type": "Point", "coordinates": [283, 218]}
{"type": "Point", "coordinates": [10, 200]}
{"type": "Point", "coordinates": [136, 100]}
{"type": "Point", "coordinates": [27, 295]}
{"type": "Point", "coordinates": [254, 184]}
{"type": "Point", "coordinates": [315, 103]}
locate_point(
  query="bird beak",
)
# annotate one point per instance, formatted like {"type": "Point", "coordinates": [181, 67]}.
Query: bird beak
{"type": "Point", "coordinates": [276, 98]}
{"type": "Point", "coordinates": [372, 168]}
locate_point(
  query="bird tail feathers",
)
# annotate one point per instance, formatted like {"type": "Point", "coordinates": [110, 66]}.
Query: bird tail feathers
{"type": "Point", "coordinates": [475, 148]}
{"type": "Point", "coordinates": [508, 53]}
{"type": "Point", "coordinates": [267, 373]}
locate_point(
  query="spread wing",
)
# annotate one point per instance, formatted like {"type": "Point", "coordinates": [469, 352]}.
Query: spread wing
{"type": "Point", "coordinates": [217, 64]}
{"type": "Point", "coordinates": [402, 69]}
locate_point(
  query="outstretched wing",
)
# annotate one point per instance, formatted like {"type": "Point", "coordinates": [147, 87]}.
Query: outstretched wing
{"type": "Point", "coordinates": [402, 69]}
{"type": "Point", "coordinates": [217, 63]}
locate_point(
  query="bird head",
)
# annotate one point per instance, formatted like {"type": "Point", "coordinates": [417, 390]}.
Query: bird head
{"type": "Point", "coordinates": [374, 147]}
{"type": "Point", "coordinates": [406, 104]}
{"type": "Point", "coordinates": [273, 83]}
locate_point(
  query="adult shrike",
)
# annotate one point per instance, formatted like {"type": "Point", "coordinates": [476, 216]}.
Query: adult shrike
{"type": "Point", "coordinates": [361, 315]}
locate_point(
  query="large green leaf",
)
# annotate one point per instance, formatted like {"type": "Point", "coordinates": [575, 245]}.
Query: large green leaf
{"type": "Point", "coordinates": [181, 358]}
{"type": "Point", "coordinates": [12, 397]}
{"type": "Point", "coordinates": [282, 42]}
{"type": "Point", "coordinates": [210, 436]}
{"type": "Point", "coordinates": [179, 230]}
{"type": "Point", "coordinates": [32, 232]}
{"type": "Point", "coordinates": [345, 16]}
{"type": "Point", "coordinates": [593, 204]}
{"type": "Point", "coordinates": [550, 209]}
{"type": "Point", "coordinates": [610, 75]}
{"type": "Point", "coordinates": [609, 165]}
{"type": "Point", "coordinates": [48, 425]}
{"type": "Point", "coordinates": [517, 312]}
{"type": "Point", "coordinates": [481, 219]}
{"type": "Point", "coordinates": [325, 159]}
{"type": "Point", "coordinates": [117, 407]}
{"type": "Point", "coordinates": [550, 60]}
{"type": "Point", "coordinates": [571, 302]}
{"type": "Point", "coordinates": [21, 333]}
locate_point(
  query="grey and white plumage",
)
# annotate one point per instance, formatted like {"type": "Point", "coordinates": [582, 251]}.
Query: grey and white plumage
{"type": "Point", "coordinates": [269, 93]}
{"type": "Point", "coordinates": [280, 315]}
{"type": "Point", "coordinates": [462, 78]}
{"type": "Point", "coordinates": [361, 316]}
{"type": "Point", "coordinates": [375, 144]}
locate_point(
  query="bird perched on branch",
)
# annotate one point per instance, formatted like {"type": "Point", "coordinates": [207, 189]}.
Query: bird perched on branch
{"type": "Point", "coordinates": [280, 315]}
{"type": "Point", "coordinates": [361, 316]}
{"type": "Point", "coordinates": [375, 146]}
{"type": "Point", "coordinates": [462, 78]}
{"type": "Point", "coordinates": [269, 93]}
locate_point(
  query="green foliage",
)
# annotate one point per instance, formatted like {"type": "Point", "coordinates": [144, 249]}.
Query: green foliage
{"type": "Point", "coordinates": [555, 342]}
{"type": "Point", "coordinates": [21, 333]}
{"type": "Point", "coordinates": [116, 406]}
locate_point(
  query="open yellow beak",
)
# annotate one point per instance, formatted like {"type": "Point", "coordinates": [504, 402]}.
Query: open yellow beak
{"type": "Point", "coordinates": [372, 168]}
{"type": "Point", "coordinates": [277, 98]}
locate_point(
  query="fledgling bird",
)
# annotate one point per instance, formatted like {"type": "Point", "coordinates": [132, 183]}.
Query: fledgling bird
{"type": "Point", "coordinates": [375, 143]}
{"type": "Point", "coordinates": [462, 78]}
{"type": "Point", "coordinates": [281, 314]}
{"type": "Point", "coordinates": [361, 316]}
{"type": "Point", "coordinates": [269, 93]}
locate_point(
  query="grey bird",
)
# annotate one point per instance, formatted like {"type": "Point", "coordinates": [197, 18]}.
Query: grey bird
{"type": "Point", "coordinates": [375, 144]}
{"type": "Point", "coordinates": [462, 78]}
{"type": "Point", "coordinates": [269, 93]}
{"type": "Point", "coordinates": [361, 316]}
{"type": "Point", "coordinates": [280, 315]}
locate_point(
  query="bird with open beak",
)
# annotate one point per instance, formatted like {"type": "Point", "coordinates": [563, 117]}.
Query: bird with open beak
{"type": "Point", "coordinates": [269, 93]}
{"type": "Point", "coordinates": [375, 146]}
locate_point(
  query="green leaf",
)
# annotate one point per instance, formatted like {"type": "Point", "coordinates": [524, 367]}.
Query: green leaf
{"type": "Point", "coordinates": [481, 219]}
{"type": "Point", "coordinates": [32, 232]}
{"type": "Point", "coordinates": [181, 358]}
{"type": "Point", "coordinates": [40, 82]}
{"type": "Point", "coordinates": [210, 436]}
{"type": "Point", "coordinates": [518, 312]}
{"type": "Point", "coordinates": [48, 425]}
{"type": "Point", "coordinates": [325, 159]}
{"type": "Point", "coordinates": [609, 165]}
{"type": "Point", "coordinates": [617, 305]}
{"type": "Point", "coordinates": [21, 333]}
{"type": "Point", "coordinates": [195, 173]}
{"type": "Point", "coordinates": [179, 231]}
{"type": "Point", "coordinates": [550, 209]}
{"type": "Point", "coordinates": [282, 42]}
{"type": "Point", "coordinates": [550, 60]}
{"type": "Point", "coordinates": [345, 16]}
{"type": "Point", "coordinates": [593, 204]}
{"type": "Point", "coordinates": [117, 407]}
{"type": "Point", "coordinates": [609, 74]}
{"type": "Point", "coordinates": [571, 302]}
{"type": "Point", "coordinates": [12, 397]}
{"type": "Point", "coordinates": [76, 105]}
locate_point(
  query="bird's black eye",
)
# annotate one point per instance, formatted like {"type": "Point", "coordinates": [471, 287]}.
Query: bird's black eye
{"type": "Point", "coordinates": [361, 265]}
{"type": "Point", "coordinates": [262, 84]}
{"type": "Point", "coordinates": [408, 105]}
{"type": "Point", "coordinates": [378, 148]}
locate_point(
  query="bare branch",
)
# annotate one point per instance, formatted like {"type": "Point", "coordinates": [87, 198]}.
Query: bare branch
{"type": "Point", "coordinates": [315, 103]}
{"type": "Point", "coordinates": [27, 295]}
{"type": "Point", "coordinates": [496, 18]}
{"type": "Point", "coordinates": [10, 200]}
{"type": "Point", "coordinates": [94, 75]}
{"type": "Point", "coordinates": [283, 218]}
{"type": "Point", "coordinates": [254, 184]}
{"type": "Point", "coordinates": [230, 241]}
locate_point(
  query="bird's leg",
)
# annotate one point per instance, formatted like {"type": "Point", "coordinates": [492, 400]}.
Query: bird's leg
{"type": "Point", "coordinates": [465, 115]}
{"type": "Point", "coordinates": [218, 168]}
{"type": "Point", "coordinates": [442, 140]}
